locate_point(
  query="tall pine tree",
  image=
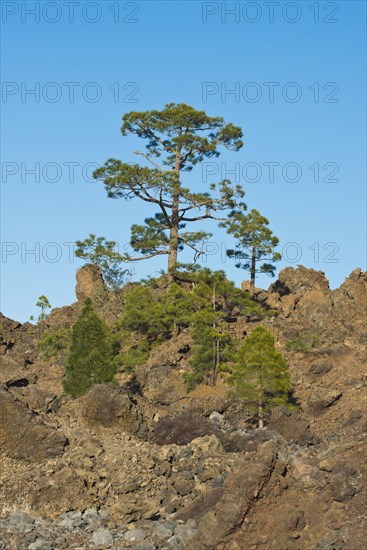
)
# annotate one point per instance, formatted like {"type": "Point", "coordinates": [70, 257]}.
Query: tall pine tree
{"type": "Point", "coordinates": [90, 354]}
{"type": "Point", "coordinates": [176, 140]}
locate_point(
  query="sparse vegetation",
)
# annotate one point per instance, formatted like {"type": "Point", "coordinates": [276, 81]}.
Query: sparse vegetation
{"type": "Point", "coordinates": [297, 344]}
{"type": "Point", "coordinates": [303, 343]}
{"type": "Point", "coordinates": [54, 343]}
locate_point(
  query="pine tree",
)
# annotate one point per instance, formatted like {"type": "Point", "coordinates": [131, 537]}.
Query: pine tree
{"type": "Point", "coordinates": [148, 320]}
{"type": "Point", "coordinates": [256, 242]}
{"type": "Point", "coordinates": [213, 347]}
{"type": "Point", "coordinates": [177, 139]}
{"type": "Point", "coordinates": [54, 343]}
{"type": "Point", "coordinates": [44, 304]}
{"type": "Point", "coordinates": [215, 298]}
{"type": "Point", "coordinates": [90, 357]}
{"type": "Point", "coordinates": [261, 375]}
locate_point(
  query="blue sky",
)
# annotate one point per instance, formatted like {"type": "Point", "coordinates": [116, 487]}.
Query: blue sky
{"type": "Point", "coordinates": [298, 87]}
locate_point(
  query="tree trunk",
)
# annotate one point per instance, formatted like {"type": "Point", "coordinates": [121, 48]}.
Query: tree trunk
{"type": "Point", "coordinates": [217, 363]}
{"type": "Point", "coordinates": [173, 236]}
{"type": "Point", "coordinates": [215, 348]}
{"type": "Point", "coordinates": [261, 407]}
{"type": "Point", "coordinates": [261, 415]}
{"type": "Point", "coordinates": [173, 244]}
{"type": "Point", "coordinates": [253, 271]}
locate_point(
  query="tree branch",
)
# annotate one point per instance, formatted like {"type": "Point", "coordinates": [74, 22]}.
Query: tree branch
{"type": "Point", "coordinates": [151, 161]}
{"type": "Point", "coordinates": [200, 205]}
{"type": "Point", "coordinates": [206, 217]}
{"type": "Point", "coordinates": [148, 197]}
{"type": "Point", "coordinates": [154, 136]}
{"type": "Point", "coordinates": [198, 252]}
{"type": "Point", "coordinates": [130, 259]}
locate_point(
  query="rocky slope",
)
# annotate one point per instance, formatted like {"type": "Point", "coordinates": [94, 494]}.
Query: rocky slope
{"type": "Point", "coordinates": [146, 465]}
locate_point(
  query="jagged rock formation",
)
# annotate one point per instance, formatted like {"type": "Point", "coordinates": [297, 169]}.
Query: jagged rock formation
{"type": "Point", "coordinates": [303, 296]}
{"type": "Point", "coordinates": [146, 465]}
{"type": "Point", "coordinates": [89, 281]}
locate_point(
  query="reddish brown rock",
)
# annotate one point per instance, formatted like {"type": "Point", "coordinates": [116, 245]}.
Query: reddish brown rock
{"type": "Point", "coordinates": [22, 436]}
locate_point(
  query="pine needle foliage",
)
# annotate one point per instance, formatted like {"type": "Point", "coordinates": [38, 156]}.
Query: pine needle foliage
{"type": "Point", "coordinates": [90, 357]}
{"type": "Point", "coordinates": [199, 301]}
{"type": "Point", "coordinates": [175, 139]}
{"type": "Point", "coordinates": [54, 343]}
{"type": "Point", "coordinates": [255, 243]}
{"type": "Point", "coordinates": [261, 376]}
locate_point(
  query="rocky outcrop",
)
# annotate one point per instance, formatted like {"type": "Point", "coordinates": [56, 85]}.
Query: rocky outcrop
{"type": "Point", "coordinates": [299, 281]}
{"type": "Point", "coordinates": [89, 282]}
{"type": "Point", "coordinates": [334, 316]}
{"type": "Point", "coordinates": [181, 429]}
{"type": "Point", "coordinates": [292, 425]}
{"type": "Point", "coordinates": [17, 341]}
{"type": "Point", "coordinates": [22, 436]}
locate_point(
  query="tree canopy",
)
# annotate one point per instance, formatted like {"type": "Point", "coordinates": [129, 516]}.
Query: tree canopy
{"type": "Point", "coordinates": [176, 139]}
{"type": "Point", "coordinates": [255, 243]}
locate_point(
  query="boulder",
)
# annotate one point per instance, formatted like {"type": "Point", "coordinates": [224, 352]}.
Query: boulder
{"type": "Point", "coordinates": [320, 366]}
{"type": "Point", "coordinates": [182, 428]}
{"type": "Point", "coordinates": [207, 444]}
{"type": "Point", "coordinates": [110, 406]}
{"type": "Point", "coordinates": [295, 281]}
{"type": "Point", "coordinates": [291, 425]}
{"type": "Point", "coordinates": [60, 492]}
{"type": "Point", "coordinates": [22, 436]}
{"type": "Point", "coordinates": [103, 537]}
{"type": "Point", "coordinates": [307, 477]}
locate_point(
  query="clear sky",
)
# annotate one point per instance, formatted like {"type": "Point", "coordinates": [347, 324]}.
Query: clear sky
{"type": "Point", "coordinates": [291, 74]}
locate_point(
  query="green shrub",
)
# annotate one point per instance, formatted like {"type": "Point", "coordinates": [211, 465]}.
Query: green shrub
{"type": "Point", "coordinates": [54, 343]}
{"type": "Point", "coordinates": [134, 357]}
{"type": "Point", "coordinates": [297, 344]}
